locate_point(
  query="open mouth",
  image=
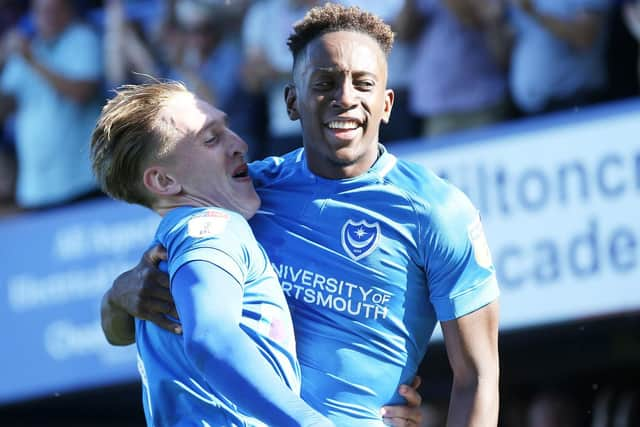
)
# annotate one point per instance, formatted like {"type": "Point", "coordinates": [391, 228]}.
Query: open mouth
{"type": "Point", "coordinates": [346, 128]}
{"type": "Point", "coordinates": [241, 171]}
{"type": "Point", "coordinates": [344, 124]}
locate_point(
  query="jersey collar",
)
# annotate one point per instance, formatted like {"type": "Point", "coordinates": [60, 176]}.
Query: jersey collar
{"type": "Point", "coordinates": [382, 166]}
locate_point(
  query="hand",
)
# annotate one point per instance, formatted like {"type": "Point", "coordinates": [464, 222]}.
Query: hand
{"type": "Point", "coordinates": [409, 414]}
{"type": "Point", "coordinates": [632, 18]}
{"type": "Point", "coordinates": [143, 292]}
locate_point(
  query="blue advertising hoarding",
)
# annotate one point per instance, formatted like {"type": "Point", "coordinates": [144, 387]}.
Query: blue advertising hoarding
{"type": "Point", "coordinates": [56, 265]}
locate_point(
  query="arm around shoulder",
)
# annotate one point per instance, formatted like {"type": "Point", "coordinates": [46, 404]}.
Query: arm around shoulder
{"type": "Point", "coordinates": [141, 292]}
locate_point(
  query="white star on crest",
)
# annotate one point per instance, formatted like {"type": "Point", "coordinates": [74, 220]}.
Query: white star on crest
{"type": "Point", "coordinates": [360, 232]}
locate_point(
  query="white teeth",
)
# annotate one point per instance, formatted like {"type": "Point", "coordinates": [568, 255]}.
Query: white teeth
{"type": "Point", "coordinates": [343, 125]}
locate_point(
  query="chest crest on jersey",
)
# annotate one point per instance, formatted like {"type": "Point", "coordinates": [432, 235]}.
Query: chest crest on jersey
{"type": "Point", "coordinates": [360, 238]}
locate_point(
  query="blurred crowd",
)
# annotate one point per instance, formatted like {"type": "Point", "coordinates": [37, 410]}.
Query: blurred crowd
{"type": "Point", "coordinates": [456, 65]}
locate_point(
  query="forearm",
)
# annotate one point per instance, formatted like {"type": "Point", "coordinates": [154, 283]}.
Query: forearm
{"type": "Point", "coordinates": [139, 55]}
{"type": "Point", "coordinates": [198, 85]}
{"type": "Point", "coordinates": [474, 405]}
{"type": "Point", "coordinates": [79, 91]}
{"type": "Point", "coordinates": [117, 325]}
{"type": "Point", "coordinates": [125, 53]}
{"type": "Point", "coordinates": [210, 305]}
{"type": "Point", "coordinates": [472, 348]}
{"type": "Point", "coordinates": [115, 67]}
{"type": "Point", "coordinates": [233, 365]}
{"type": "Point", "coordinates": [580, 33]}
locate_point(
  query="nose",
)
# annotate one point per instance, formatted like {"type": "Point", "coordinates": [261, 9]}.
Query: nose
{"type": "Point", "coordinates": [345, 95]}
{"type": "Point", "coordinates": [237, 146]}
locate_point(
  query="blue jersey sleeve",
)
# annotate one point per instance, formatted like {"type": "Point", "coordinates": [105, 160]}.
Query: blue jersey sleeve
{"type": "Point", "coordinates": [460, 271]}
{"type": "Point", "coordinates": [209, 235]}
{"type": "Point", "coordinates": [209, 303]}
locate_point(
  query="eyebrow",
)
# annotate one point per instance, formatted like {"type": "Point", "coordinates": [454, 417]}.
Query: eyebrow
{"type": "Point", "coordinates": [224, 121]}
{"type": "Point", "coordinates": [338, 70]}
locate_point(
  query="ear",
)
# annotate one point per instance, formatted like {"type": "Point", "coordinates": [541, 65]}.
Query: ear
{"type": "Point", "coordinates": [159, 182]}
{"type": "Point", "coordinates": [388, 105]}
{"type": "Point", "coordinates": [290, 98]}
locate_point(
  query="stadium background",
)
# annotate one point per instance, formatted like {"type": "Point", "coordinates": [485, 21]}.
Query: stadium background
{"type": "Point", "coordinates": [560, 201]}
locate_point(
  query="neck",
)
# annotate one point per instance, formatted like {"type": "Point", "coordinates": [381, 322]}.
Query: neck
{"type": "Point", "coordinates": [164, 206]}
{"type": "Point", "coordinates": [331, 169]}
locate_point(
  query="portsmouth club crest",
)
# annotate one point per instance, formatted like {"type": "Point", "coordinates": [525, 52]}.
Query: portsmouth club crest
{"type": "Point", "coordinates": [360, 238]}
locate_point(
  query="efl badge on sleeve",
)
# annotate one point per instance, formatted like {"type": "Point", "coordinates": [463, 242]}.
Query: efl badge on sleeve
{"type": "Point", "coordinates": [360, 238]}
{"type": "Point", "coordinates": [481, 251]}
{"type": "Point", "coordinates": [209, 224]}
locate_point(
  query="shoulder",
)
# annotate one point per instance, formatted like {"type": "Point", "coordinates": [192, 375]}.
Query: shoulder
{"type": "Point", "coordinates": [273, 169]}
{"type": "Point", "coordinates": [198, 224]}
{"type": "Point", "coordinates": [79, 52]}
{"type": "Point", "coordinates": [424, 186]}
{"type": "Point", "coordinates": [440, 206]}
{"type": "Point", "coordinates": [80, 32]}
{"type": "Point", "coordinates": [215, 235]}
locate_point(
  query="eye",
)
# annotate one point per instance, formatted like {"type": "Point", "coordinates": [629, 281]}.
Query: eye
{"type": "Point", "coordinates": [322, 85]}
{"type": "Point", "coordinates": [364, 84]}
{"type": "Point", "coordinates": [212, 139]}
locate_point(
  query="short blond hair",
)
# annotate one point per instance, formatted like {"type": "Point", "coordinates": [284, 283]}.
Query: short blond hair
{"type": "Point", "coordinates": [127, 135]}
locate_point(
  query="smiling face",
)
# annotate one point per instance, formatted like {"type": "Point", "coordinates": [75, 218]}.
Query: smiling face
{"type": "Point", "coordinates": [205, 164]}
{"type": "Point", "coordinates": [340, 97]}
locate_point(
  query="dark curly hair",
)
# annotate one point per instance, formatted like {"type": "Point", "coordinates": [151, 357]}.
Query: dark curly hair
{"type": "Point", "coordinates": [334, 17]}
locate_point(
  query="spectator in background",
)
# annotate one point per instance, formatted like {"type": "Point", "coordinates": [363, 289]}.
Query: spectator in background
{"type": "Point", "coordinates": [267, 66]}
{"type": "Point", "coordinates": [193, 41]}
{"type": "Point", "coordinates": [405, 125]}
{"type": "Point", "coordinates": [209, 60]}
{"type": "Point", "coordinates": [11, 12]}
{"type": "Point", "coordinates": [631, 11]}
{"type": "Point", "coordinates": [558, 54]}
{"type": "Point", "coordinates": [458, 79]}
{"type": "Point", "coordinates": [210, 53]}
{"type": "Point", "coordinates": [127, 53]}
{"type": "Point", "coordinates": [51, 82]}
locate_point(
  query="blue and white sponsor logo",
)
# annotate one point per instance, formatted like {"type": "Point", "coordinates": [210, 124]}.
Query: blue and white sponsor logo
{"type": "Point", "coordinates": [360, 238]}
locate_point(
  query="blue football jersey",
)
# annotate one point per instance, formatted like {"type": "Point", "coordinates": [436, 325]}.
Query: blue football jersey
{"type": "Point", "coordinates": [369, 265]}
{"type": "Point", "coordinates": [174, 391]}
